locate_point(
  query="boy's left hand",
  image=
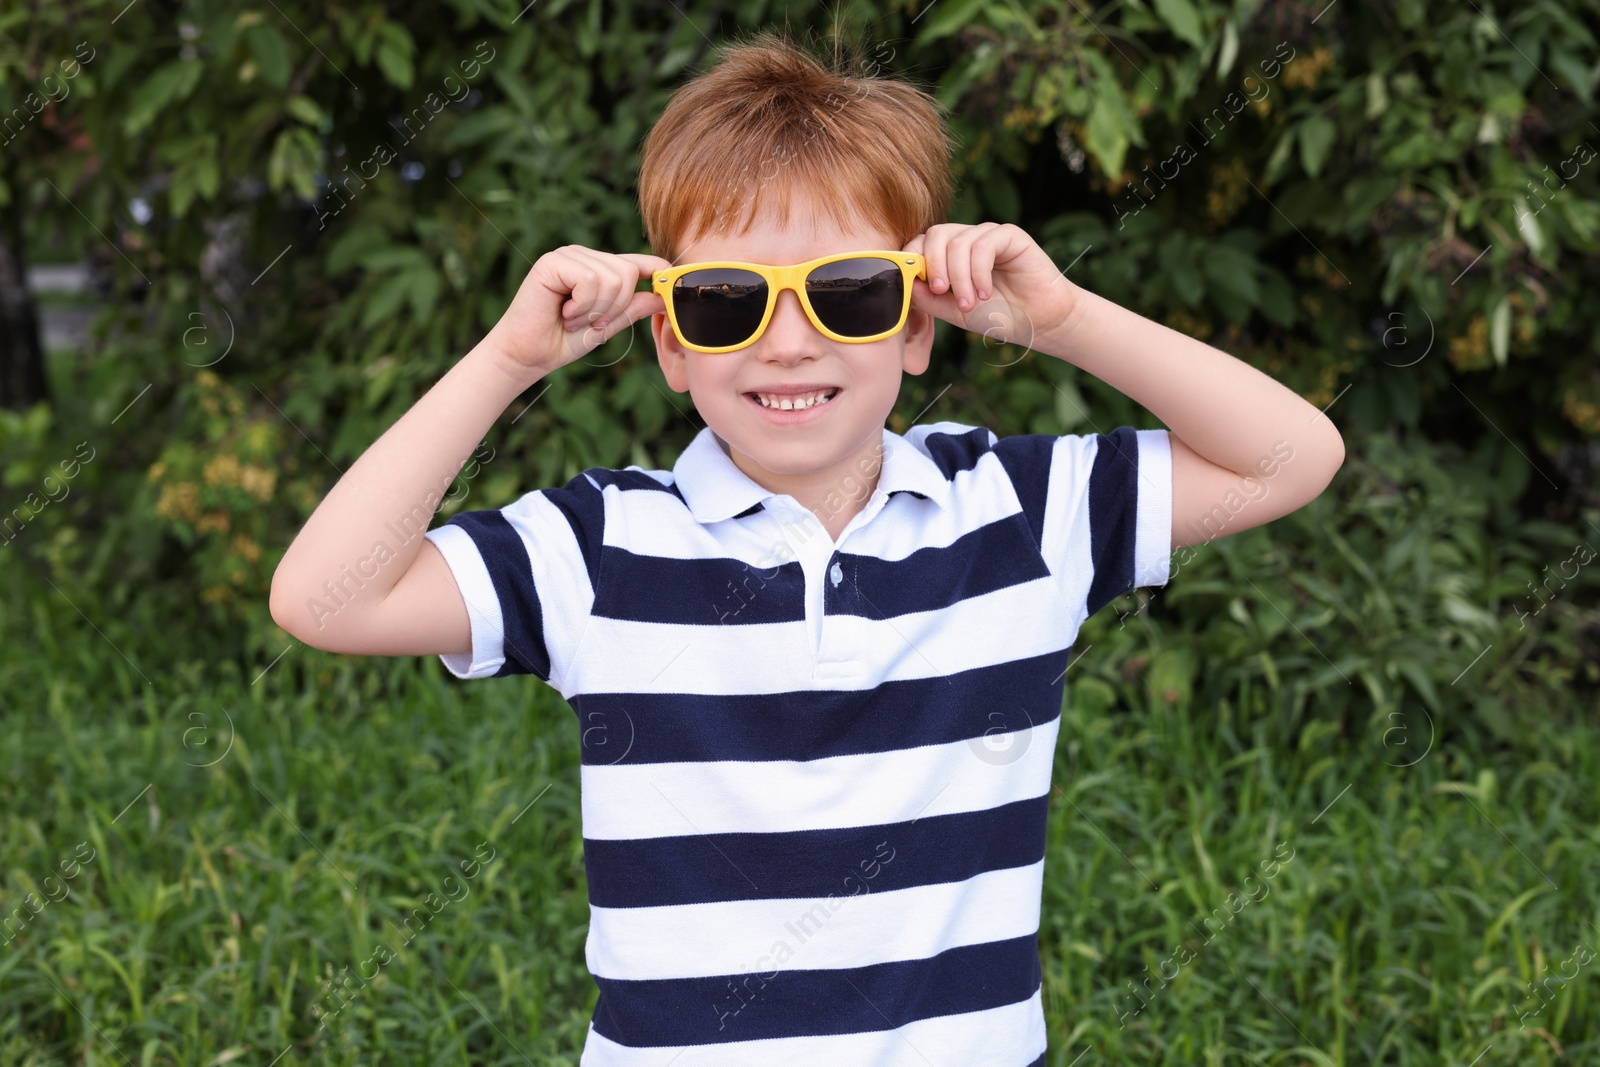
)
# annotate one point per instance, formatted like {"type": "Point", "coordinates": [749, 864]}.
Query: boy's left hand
{"type": "Point", "coordinates": [992, 279]}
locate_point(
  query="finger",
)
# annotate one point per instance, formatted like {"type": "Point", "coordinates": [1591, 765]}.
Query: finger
{"type": "Point", "coordinates": [566, 272]}
{"type": "Point", "coordinates": [914, 245]}
{"type": "Point", "coordinates": [639, 306]}
{"type": "Point", "coordinates": [625, 280]}
{"type": "Point", "coordinates": [583, 283]}
{"type": "Point", "coordinates": [939, 305]}
{"type": "Point", "coordinates": [933, 250]}
{"type": "Point", "coordinates": [646, 264]}
{"type": "Point", "coordinates": [958, 262]}
{"type": "Point", "coordinates": [984, 252]}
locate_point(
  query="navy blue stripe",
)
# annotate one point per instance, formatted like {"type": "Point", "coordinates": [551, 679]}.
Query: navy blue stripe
{"type": "Point", "coordinates": [1113, 514]}
{"type": "Point", "coordinates": [585, 511]}
{"type": "Point", "coordinates": [626, 479]}
{"type": "Point", "coordinates": [954, 453]}
{"type": "Point", "coordinates": [1027, 459]}
{"type": "Point", "coordinates": [785, 1002]}
{"type": "Point", "coordinates": [996, 555]}
{"type": "Point", "coordinates": [1041, 1060]}
{"type": "Point", "coordinates": [698, 591]}
{"type": "Point", "coordinates": [704, 868]}
{"type": "Point", "coordinates": [637, 728]}
{"type": "Point", "coordinates": [505, 555]}
{"type": "Point", "coordinates": [727, 591]}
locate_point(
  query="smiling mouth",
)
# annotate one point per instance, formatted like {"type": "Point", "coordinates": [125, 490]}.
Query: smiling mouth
{"type": "Point", "coordinates": [794, 401]}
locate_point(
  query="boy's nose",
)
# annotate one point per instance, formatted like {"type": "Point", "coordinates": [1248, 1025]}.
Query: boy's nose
{"type": "Point", "coordinates": [790, 335]}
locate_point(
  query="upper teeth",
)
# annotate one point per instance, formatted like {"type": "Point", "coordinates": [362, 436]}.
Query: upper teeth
{"type": "Point", "coordinates": [798, 402]}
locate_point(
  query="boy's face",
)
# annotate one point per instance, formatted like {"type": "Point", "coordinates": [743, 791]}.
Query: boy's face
{"type": "Point", "coordinates": [828, 442]}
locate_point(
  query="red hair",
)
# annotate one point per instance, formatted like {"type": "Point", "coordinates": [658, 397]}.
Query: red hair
{"type": "Point", "coordinates": [769, 118]}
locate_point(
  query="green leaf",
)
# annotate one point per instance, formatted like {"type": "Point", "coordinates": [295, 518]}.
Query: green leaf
{"type": "Point", "coordinates": [1233, 271]}
{"type": "Point", "coordinates": [1186, 281]}
{"type": "Point", "coordinates": [168, 84]}
{"type": "Point", "coordinates": [395, 257]}
{"type": "Point", "coordinates": [1277, 298]}
{"type": "Point", "coordinates": [1377, 95]}
{"type": "Point", "coordinates": [1105, 136]}
{"type": "Point", "coordinates": [349, 250]}
{"type": "Point", "coordinates": [1071, 408]}
{"type": "Point", "coordinates": [1500, 330]}
{"type": "Point", "coordinates": [271, 52]}
{"type": "Point", "coordinates": [1181, 16]}
{"type": "Point", "coordinates": [1413, 673]}
{"type": "Point", "coordinates": [395, 49]}
{"type": "Point", "coordinates": [293, 162]}
{"type": "Point", "coordinates": [1528, 226]}
{"type": "Point", "coordinates": [1278, 161]}
{"type": "Point", "coordinates": [1230, 49]}
{"type": "Point", "coordinates": [482, 125]}
{"type": "Point", "coordinates": [425, 286]}
{"type": "Point", "coordinates": [181, 192]}
{"type": "Point", "coordinates": [305, 109]}
{"type": "Point", "coordinates": [1316, 138]}
{"type": "Point", "coordinates": [386, 301]}
{"type": "Point", "coordinates": [1571, 68]}
{"type": "Point", "coordinates": [953, 15]}
{"type": "Point", "coordinates": [208, 174]}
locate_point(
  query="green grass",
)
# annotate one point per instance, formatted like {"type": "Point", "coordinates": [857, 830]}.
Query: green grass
{"type": "Point", "coordinates": [1406, 928]}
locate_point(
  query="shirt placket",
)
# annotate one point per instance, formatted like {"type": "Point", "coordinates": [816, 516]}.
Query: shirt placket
{"type": "Point", "coordinates": [822, 564]}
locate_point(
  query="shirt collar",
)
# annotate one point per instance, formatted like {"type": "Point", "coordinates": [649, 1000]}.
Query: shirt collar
{"type": "Point", "coordinates": [715, 488]}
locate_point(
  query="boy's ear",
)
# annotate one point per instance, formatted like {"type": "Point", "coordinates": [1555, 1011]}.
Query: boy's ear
{"type": "Point", "coordinates": [669, 353]}
{"type": "Point", "coordinates": [918, 337]}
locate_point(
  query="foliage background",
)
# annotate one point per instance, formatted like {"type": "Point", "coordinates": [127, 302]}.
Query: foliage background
{"type": "Point", "coordinates": [1400, 220]}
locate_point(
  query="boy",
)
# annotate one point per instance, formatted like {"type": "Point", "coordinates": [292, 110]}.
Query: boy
{"type": "Point", "coordinates": [827, 660]}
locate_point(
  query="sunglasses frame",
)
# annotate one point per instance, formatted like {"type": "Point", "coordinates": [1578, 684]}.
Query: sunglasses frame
{"type": "Point", "coordinates": [793, 276]}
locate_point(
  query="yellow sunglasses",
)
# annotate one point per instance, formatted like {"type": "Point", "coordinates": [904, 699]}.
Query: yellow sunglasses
{"type": "Point", "coordinates": [722, 305]}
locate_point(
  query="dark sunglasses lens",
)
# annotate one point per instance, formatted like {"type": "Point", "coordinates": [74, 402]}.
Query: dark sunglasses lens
{"type": "Point", "coordinates": [857, 297]}
{"type": "Point", "coordinates": [720, 306]}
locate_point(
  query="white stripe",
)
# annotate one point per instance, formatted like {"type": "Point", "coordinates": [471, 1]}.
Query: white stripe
{"type": "Point", "coordinates": [1065, 542]}
{"type": "Point", "coordinates": [1152, 553]}
{"type": "Point", "coordinates": [557, 572]}
{"type": "Point", "coordinates": [626, 802]}
{"type": "Point", "coordinates": [854, 927]}
{"type": "Point", "coordinates": [979, 496]}
{"type": "Point", "coordinates": [1009, 1036]}
{"type": "Point", "coordinates": [858, 653]}
{"type": "Point", "coordinates": [652, 524]}
{"type": "Point", "coordinates": [483, 605]}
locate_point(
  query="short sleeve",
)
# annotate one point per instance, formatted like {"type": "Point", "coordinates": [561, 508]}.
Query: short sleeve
{"type": "Point", "coordinates": [1100, 506]}
{"type": "Point", "coordinates": [528, 573]}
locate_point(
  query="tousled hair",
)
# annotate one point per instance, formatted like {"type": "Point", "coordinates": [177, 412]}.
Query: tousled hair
{"type": "Point", "coordinates": [770, 118]}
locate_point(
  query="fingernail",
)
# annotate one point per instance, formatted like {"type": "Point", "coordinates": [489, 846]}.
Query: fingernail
{"type": "Point", "coordinates": [600, 325]}
{"type": "Point", "coordinates": [938, 284]}
{"type": "Point", "coordinates": [983, 294]}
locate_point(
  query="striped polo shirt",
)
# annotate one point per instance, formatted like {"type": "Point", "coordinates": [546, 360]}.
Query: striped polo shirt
{"type": "Point", "coordinates": [815, 774]}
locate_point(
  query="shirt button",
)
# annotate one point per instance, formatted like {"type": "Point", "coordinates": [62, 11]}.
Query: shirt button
{"type": "Point", "coordinates": [837, 574]}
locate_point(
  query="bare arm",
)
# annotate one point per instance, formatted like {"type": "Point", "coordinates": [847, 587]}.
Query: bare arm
{"type": "Point", "coordinates": [367, 532]}
{"type": "Point", "coordinates": [360, 577]}
{"type": "Point", "coordinates": [1246, 449]}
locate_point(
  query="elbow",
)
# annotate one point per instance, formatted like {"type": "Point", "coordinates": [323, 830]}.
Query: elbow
{"type": "Point", "coordinates": [281, 603]}
{"type": "Point", "coordinates": [1324, 457]}
{"type": "Point", "coordinates": [278, 605]}
{"type": "Point", "coordinates": [1332, 454]}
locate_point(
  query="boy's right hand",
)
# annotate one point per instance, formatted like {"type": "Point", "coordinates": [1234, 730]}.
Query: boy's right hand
{"type": "Point", "coordinates": [571, 302]}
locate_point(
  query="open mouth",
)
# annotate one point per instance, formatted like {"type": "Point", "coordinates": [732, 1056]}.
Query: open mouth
{"type": "Point", "coordinates": [794, 401]}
